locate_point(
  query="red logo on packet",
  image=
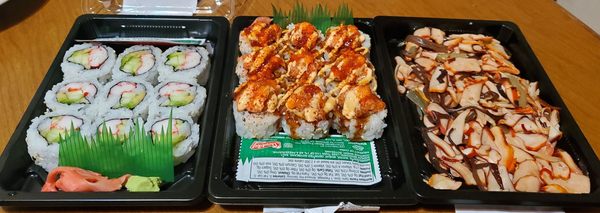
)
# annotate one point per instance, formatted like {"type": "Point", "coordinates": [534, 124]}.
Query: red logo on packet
{"type": "Point", "coordinates": [265, 144]}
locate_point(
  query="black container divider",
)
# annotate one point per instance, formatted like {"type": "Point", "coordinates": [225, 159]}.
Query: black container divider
{"type": "Point", "coordinates": [21, 180]}
{"type": "Point", "coordinates": [392, 30]}
{"type": "Point", "coordinates": [224, 189]}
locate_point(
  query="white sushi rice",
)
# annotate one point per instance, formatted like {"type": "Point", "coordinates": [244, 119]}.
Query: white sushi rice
{"type": "Point", "coordinates": [240, 71]}
{"type": "Point", "coordinates": [199, 72]}
{"type": "Point", "coordinates": [45, 154]}
{"type": "Point", "coordinates": [367, 42]}
{"type": "Point", "coordinates": [245, 46]}
{"type": "Point", "coordinates": [104, 104]}
{"type": "Point", "coordinates": [76, 71]}
{"type": "Point", "coordinates": [308, 130]}
{"type": "Point", "coordinates": [150, 75]}
{"type": "Point", "coordinates": [193, 109]}
{"type": "Point", "coordinates": [371, 130]}
{"type": "Point", "coordinates": [52, 103]}
{"type": "Point", "coordinates": [255, 125]}
{"type": "Point", "coordinates": [186, 148]}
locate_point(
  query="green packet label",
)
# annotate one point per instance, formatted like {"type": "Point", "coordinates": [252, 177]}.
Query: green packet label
{"type": "Point", "coordinates": [332, 160]}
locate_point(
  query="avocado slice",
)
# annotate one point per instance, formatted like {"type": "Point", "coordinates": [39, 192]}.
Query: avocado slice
{"type": "Point", "coordinates": [176, 60]}
{"type": "Point", "coordinates": [180, 98]}
{"type": "Point", "coordinates": [131, 62]}
{"type": "Point", "coordinates": [81, 57]}
{"type": "Point", "coordinates": [130, 100]}
{"type": "Point", "coordinates": [178, 137]}
{"type": "Point", "coordinates": [73, 97]}
{"type": "Point", "coordinates": [52, 135]}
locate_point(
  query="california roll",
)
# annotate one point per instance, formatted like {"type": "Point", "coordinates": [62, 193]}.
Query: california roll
{"type": "Point", "coordinates": [72, 95]}
{"type": "Point", "coordinates": [139, 61]}
{"type": "Point", "coordinates": [45, 132]}
{"type": "Point", "coordinates": [117, 122]}
{"type": "Point", "coordinates": [128, 93]}
{"type": "Point", "coordinates": [185, 134]}
{"type": "Point", "coordinates": [183, 97]}
{"type": "Point", "coordinates": [184, 62]}
{"type": "Point", "coordinates": [91, 61]}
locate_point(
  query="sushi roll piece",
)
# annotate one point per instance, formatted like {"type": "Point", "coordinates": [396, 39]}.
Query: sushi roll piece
{"type": "Point", "coordinates": [359, 114]}
{"type": "Point", "coordinates": [119, 122]}
{"type": "Point", "coordinates": [45, 132]}
{"type": "Point", "coordinates": [130, 94]}
{"type": "Point", "coordinates": [184, 62]}
{"type": "Point", "coordinates": [139, 61]}
{"type": "Point", "coordinates": [255, 109]}
{"type": "Point", "coordinates": [72, 95]}
{"type": "Point", "coordinates": [344, 37]}
{"type": "Point", "coordinates": [88, 61]}
{"type": "Point", "coordinates": [261, 33]}
{"type": "Point", "coordinates": [264, 63]}
{"type": "Point", "coordinates": [184, 97]}
{"type": "Point", "coordinates": [302, 35]}
{"type": "Point", "coordinates": [350, 68]}
{"type": "Point", "coordinates": [303, 68]}
{"type": "Point", "coordinates": [306, 113]}
{"type": "Point", "coordinates": [185, 134]}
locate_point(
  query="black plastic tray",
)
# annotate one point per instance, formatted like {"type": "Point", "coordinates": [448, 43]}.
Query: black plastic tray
{"type": "Point", "coordinates": [21, 179]}
{"type": "Point", "coordinates": [391, 30]}
{"type": "Point", "coordinates": [224, 189]}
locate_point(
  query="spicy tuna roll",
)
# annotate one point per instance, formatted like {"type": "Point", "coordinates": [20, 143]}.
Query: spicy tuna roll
{"type": "Point", "coordinates": [261, 33]}
{"type": "Point", "coordinates": [349, 68]}
{"type": "Point", "coordinates": [128, 93]}
{"type": "Point", "coordinates": [139, 61]}
{"type": "Point", "coordinates": [184, 62]}
{"type": "Point", "coordinates": [45, 132]}
{"type": "Point", "coordinates": [302, 35]}
{"type": "Point", "coordinates": [306, 113]}
{"type": "Point", "coordinates": [88, 61]}
{"type": "Point", "coordinates": [359, 114]}
{"type": "Point", "coordinates": [184, 97]}
{"type": "Point", "coordinates": [264, 63]}
{"type": "Point", "coordinates": [72, 95]}
{"type": "Point", "coordinates": [344, 37]}
{"type": "Point", "coordinates": [303, 68]}
{"type": "Point", "coordinates": [185, 134]}
{"type": "Point", "coordinates": [254, 109]}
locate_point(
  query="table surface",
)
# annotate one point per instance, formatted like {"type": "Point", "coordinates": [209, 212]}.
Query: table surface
{"type": "Point", "coordinates": [565, 46]}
